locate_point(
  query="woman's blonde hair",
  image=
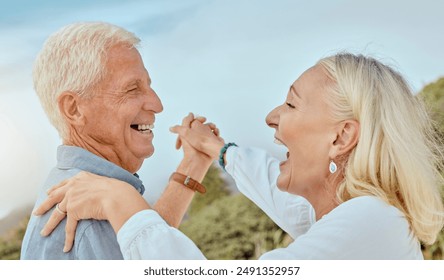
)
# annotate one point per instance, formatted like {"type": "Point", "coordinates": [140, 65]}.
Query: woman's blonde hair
{"type": "Point", "coordinates": [74, 59]}
{"type": "Point", "coordinates": [398, 157]}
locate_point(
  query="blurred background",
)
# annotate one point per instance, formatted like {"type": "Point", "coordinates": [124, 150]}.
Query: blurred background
{"type": "Point", "coordinates": [231, 61]}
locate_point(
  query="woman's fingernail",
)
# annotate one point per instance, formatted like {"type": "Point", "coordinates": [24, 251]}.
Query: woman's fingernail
{"type": "Point", "coordinates": [43, 232]}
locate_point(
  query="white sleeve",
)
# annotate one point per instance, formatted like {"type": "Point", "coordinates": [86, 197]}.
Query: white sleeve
{"type": "Point", "coordinates": [255, 173]}
{"type": "Point", "coordinates": [146, 236]}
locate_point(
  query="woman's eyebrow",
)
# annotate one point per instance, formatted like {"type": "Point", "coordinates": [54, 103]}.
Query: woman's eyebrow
{"type": "Point", "coordinates": [294, 91]}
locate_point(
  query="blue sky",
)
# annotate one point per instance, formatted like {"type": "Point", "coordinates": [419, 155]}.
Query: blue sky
{"type": "Point", "coordinates": [229, 60]}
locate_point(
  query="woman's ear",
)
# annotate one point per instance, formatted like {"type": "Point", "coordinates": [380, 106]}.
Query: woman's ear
{"type": "Point", "coordinates": [347, 138]}
{"type": "Point", "coordinates": [68, 103]}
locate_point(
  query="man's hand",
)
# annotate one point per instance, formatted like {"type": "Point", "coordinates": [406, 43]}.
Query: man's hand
{"type": "Point", "coordinates": [196, 136]}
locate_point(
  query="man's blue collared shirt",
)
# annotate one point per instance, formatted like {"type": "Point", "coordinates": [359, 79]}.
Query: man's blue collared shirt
{"type": "Point", "coordinates": [94, 239]}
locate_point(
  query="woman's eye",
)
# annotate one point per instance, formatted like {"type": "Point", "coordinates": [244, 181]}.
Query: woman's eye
{"type": "Point", "coordinates": [290, 105]}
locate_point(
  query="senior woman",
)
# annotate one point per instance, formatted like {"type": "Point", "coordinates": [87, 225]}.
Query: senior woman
{"type": "Point", "coordinates": [361, 151]}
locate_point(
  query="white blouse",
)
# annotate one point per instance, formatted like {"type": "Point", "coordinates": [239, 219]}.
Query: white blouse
{"type": "Point", "coordinates": [360, 228]}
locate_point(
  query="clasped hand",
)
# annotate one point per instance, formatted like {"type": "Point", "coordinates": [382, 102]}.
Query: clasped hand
{"type": "Point", "coordinates": [197, 136]}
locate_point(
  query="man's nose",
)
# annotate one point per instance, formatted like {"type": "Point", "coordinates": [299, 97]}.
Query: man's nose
{"type": "Point", "coordinates": [152, 102]}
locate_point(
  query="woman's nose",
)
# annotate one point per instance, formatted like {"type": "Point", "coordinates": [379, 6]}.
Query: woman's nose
{"type": "Point", "coordinates": [272, 118]}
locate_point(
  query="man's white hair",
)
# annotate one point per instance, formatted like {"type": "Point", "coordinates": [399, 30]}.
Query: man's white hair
{"type": "Point", "coordinates": [74, 59]}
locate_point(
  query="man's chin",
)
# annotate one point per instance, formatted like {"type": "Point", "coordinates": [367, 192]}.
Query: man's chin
{"type": "Point", "coordinates": [149, 153]}
{"type": "Point", "coordinates": [143, 151]}
{"type": "Point", "coordinates": [136, 163]}
{"type": "Point", "coordinates": [145, 155]}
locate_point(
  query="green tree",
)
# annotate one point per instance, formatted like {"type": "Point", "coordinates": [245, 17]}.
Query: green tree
{"type": "Point", "coordinates": [11, 243]}
{"type": "Point", "coordinates": [232, 227]}
{"type": "Point", "coordinates": [216, 189]}
{"type": "Point", "coordinates": [433, 95]}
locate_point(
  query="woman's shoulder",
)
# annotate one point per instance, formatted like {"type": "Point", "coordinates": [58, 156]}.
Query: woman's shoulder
{"type": "Point", "coordinates": [368, 216]}
{"type": "Point", "coordinates": [366, 206]}
{"type": "Point", "coordinates": [361, 228]}
{"type": "Point", "coordinates": [366, 211]}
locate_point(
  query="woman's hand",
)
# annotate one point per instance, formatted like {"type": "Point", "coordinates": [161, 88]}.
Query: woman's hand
{"type": "Point", "coordinates": [199, 136]}
{"type": "Point", "coordinates": [90, 196]}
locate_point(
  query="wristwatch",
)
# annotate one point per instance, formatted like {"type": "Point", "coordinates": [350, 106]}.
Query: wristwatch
{"type": "Point", "coordinates": [188, 182]}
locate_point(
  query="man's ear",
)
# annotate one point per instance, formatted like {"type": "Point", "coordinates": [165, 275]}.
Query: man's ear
{"type": "Point", "coordinates": [347, 138]}
{"type": "Point", "coordinates": [69, 103]}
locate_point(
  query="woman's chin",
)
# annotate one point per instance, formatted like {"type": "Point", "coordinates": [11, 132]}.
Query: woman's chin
{"type": "Point", "coordinates": [282, 184]}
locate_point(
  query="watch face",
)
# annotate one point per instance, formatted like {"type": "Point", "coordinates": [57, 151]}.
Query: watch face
{"type": "Point", "coordinates": [187, 180]}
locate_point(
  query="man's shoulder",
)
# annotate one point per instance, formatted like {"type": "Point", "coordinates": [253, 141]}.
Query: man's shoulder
{"type": "Point", "coordinates": [37, 247]}
{"type": "Point", "coordinates": [93, 240]}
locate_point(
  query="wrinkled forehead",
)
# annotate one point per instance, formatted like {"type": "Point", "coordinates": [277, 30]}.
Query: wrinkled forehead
{"type": "Point", "coordinates": [313, 79]}
{"type": "Point", "coordinates": [318, 74]}
{"type": "Point", "coordinates": [124, 67]}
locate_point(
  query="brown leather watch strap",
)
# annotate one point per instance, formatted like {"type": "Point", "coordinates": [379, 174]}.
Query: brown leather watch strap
{"type": "Point", "coordinates": [188, 182]}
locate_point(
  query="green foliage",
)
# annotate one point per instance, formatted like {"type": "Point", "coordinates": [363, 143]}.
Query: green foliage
{"type": "Point", "coordinates": [10, 244]}
{"type": "Point", "coordinates": [433, 95]}
{"type": "Point", "coordinates": [216, 188]}
{"type": "Point", "coordinates": [232, 227]}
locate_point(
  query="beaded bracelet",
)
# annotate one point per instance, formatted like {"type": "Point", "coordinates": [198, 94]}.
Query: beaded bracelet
{"type": "Point", "coordinates": [222, 153]}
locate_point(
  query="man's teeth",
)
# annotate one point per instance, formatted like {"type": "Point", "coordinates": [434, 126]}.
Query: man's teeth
{"type": "Point", "coordinates": [276, 141]}
{"type": "Point", "coordinates": [142, 127]}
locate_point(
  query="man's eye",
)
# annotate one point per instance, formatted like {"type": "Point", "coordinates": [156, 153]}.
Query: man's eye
{"type": "Point", "coordinates": [291, 106]}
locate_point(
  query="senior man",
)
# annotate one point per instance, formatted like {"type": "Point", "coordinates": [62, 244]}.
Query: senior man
{"type": "Point", "coordinates": [94, 87]}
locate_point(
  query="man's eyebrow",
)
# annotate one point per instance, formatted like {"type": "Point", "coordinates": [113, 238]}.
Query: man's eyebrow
{"type": "Point", "coordinates": [132, 83]}
{"type": "Point", "coordinates": [294, 91]}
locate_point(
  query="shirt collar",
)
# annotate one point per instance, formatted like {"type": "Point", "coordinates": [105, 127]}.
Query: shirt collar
{"type": "Point", "coordinates": [69, 157]}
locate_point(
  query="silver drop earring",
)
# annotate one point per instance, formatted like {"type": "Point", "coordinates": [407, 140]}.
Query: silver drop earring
{"type": "Point", "coordinates": [332, 167]}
